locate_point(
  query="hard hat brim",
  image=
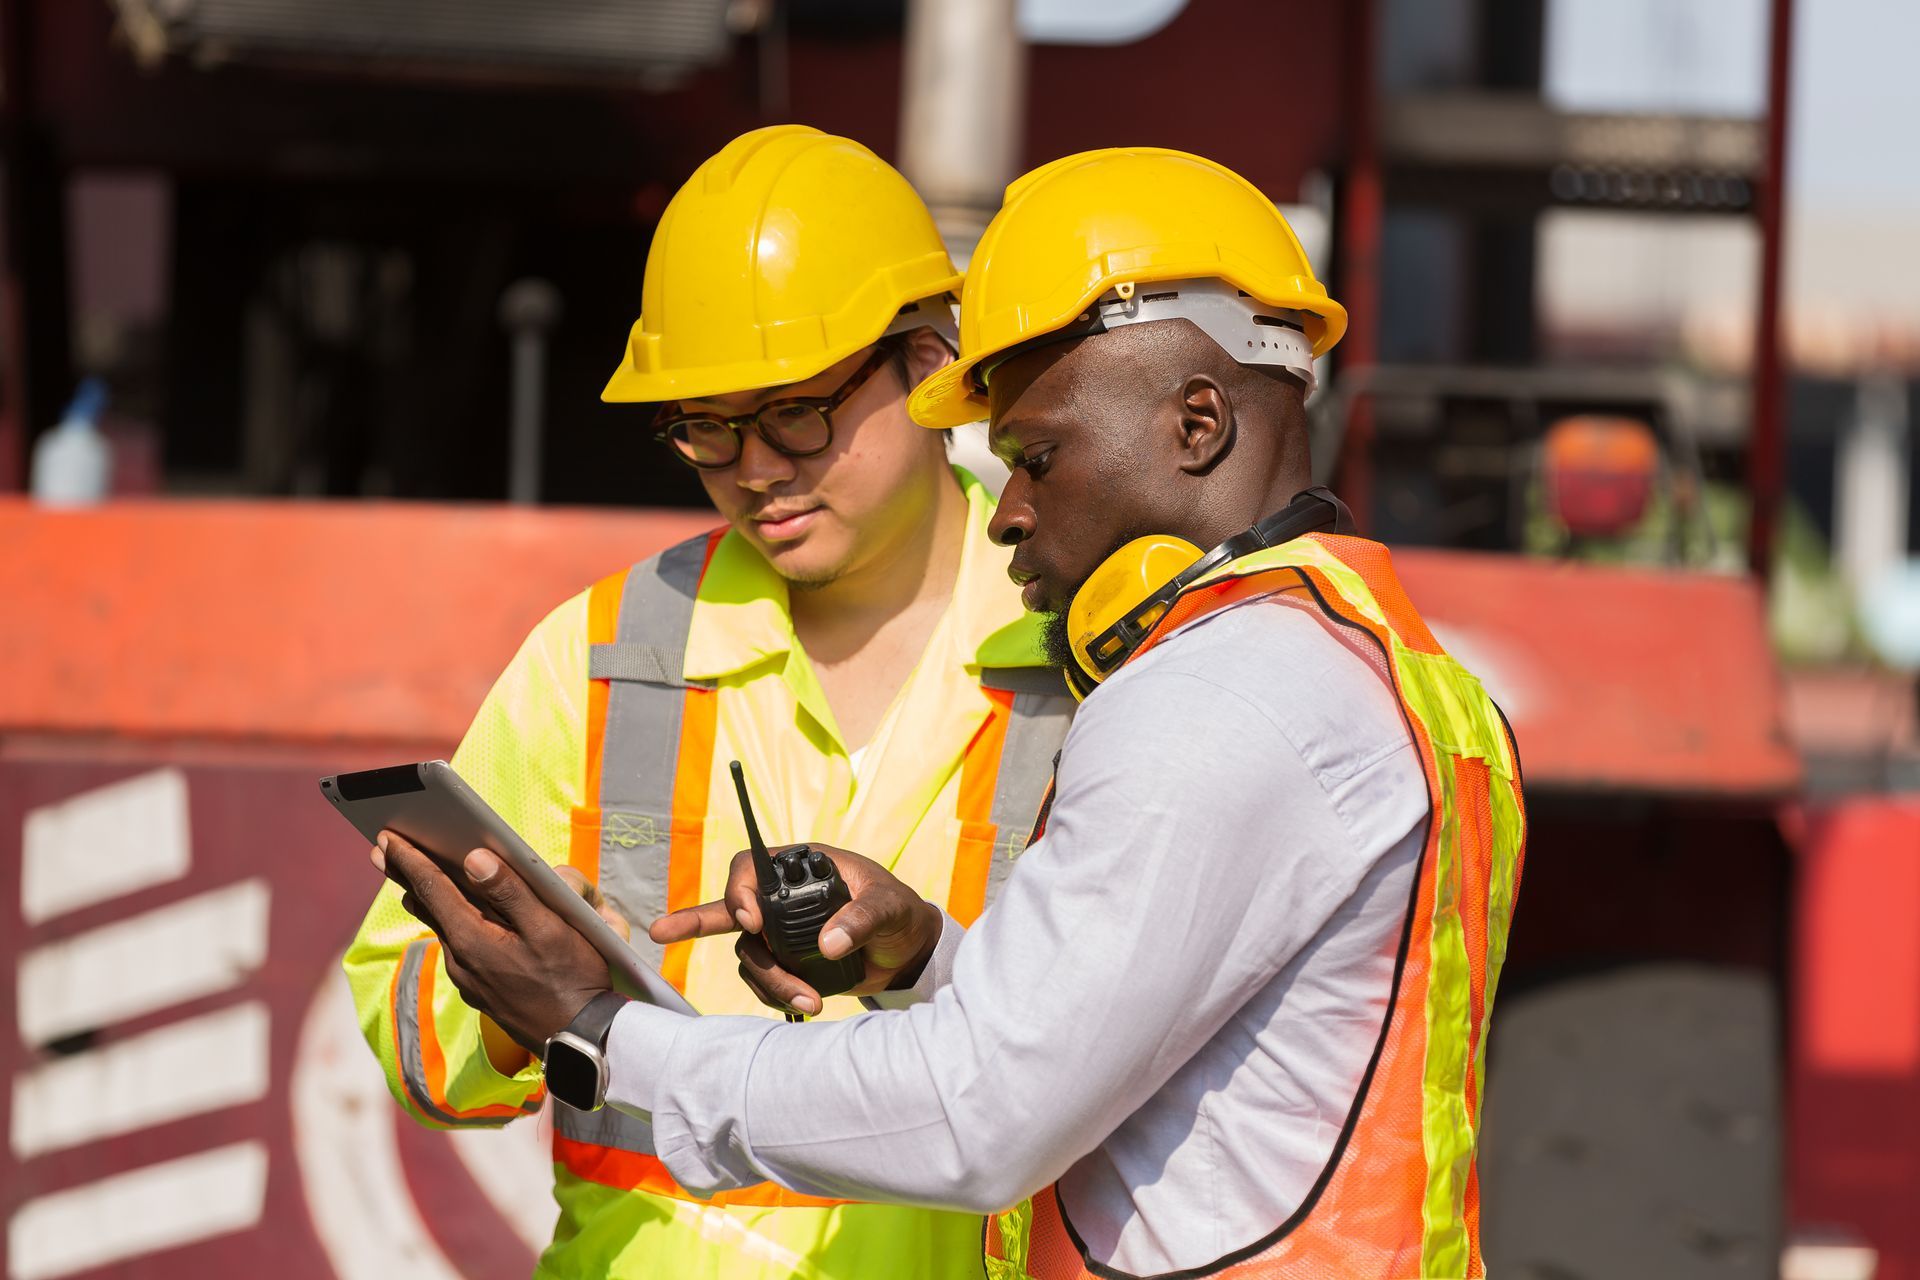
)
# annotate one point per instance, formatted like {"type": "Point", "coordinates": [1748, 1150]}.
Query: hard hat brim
{"type": "Point", "coordinates": [946, 399]}
{"type": "Point", "coordinates": [632, 385]}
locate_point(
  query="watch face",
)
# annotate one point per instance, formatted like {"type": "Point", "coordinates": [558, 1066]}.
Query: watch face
{"type": "Point", "coordinates": [572, 1076]}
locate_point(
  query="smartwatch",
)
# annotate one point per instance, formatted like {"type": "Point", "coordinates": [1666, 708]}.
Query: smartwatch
{"type": "Point", "coordinates": [576, 1058]}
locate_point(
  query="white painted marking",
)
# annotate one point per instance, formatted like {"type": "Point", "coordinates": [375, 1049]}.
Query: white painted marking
{"type": "Point", "coordinates": [513, 1167]}
{"type": "Point", "coordinates": [179, 952]}
{"type": "Point", "coordinates": [349, 1157]}
{"type": "Point", "coordinates": [357, 1195]}
{"type": "Point", "coordinates": [202, 1064]}
{"type": "Point", "coordinates": [159, 1207]}
{"type": "Point", "coordinates": [104, 843]}
{"type": "Point", "coordinates": [1829, 1260]}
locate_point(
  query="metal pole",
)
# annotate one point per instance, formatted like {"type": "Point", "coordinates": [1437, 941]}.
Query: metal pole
{"type": "Point", "coordinates": [528, 309]}
{"type": "Point", "coordinates": [1766, 449]}
{"type": "Point", "coordinates": [13, 344]}
{"type": "Point", "coordinates": [1361, 211]}
{"type": "Point", "coordinates": [962, 111]}
{"type": "Point", "coordinates": [963, 93]}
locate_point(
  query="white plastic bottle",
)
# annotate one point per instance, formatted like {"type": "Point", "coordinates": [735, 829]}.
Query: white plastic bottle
{"type": "Point", "coordinates": [73, 463]}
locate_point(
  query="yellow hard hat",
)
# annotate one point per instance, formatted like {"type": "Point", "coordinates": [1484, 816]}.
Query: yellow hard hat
{"type": "Point", "coordinates": [1088, 232]}
{"type": "Point", "coordinates": [788, 251]}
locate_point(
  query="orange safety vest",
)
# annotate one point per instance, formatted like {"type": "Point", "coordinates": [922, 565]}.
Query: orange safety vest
{"type": "Point", "coordinates": [649, 760]}
{"type": "Point", "coordinates": [1399, 1196]}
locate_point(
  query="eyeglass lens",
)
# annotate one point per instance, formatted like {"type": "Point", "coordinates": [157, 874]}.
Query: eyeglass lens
{"type": "Point", "coordinates": [794, 429]}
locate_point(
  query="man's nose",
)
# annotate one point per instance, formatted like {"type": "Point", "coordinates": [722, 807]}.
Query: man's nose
{"type": "Point", "coordinates": [1012, 521]}
{"type": "Point", "coordinates": [761, 466]}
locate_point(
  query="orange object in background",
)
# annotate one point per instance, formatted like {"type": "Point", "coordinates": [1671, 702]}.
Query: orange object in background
{"type": "Point", "coordinates": [1617, 679]}
{"type": "Point", "coordinates": [284, 621]}
{"type": "Point", "coordinates": [174, 678]}
{"type": "Point", "coordinates": [1855, 1082]}
{"type": "Point", "coordinates": [1600, 473]}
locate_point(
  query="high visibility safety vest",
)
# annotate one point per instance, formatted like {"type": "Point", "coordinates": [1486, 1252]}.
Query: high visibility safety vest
{"type": "Point", "coordinates": [650, 743]}
{"type": "Point", "coordinates": [600, 743]}
{"type": "Point", "coordinates": [1399, 1196]}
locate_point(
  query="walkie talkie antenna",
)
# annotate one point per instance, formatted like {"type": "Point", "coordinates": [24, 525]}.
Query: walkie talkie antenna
{"type": "Point", "coordinates": [762, 860]}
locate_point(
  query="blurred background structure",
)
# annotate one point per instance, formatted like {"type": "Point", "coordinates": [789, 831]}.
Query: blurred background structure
{"type": "Point", "coordinates": [1636, 300]}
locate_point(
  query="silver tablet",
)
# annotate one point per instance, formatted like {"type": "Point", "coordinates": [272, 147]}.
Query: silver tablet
{"type": "Point", "coordinates": [432, 806]}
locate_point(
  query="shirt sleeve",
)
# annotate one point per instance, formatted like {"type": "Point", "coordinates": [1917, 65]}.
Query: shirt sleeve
{"type": "Point", "coordinates": [523, 754]}
{"type": "Point", "coordinates": [1191, 852]}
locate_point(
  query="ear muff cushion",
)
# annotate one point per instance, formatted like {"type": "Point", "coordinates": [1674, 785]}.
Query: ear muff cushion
{"type": "Point", "coordinates": [1117, 593]}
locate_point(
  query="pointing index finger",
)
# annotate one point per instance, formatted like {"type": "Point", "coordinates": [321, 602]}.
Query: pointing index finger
{"type": "Point", "coordinates": [703, 921]}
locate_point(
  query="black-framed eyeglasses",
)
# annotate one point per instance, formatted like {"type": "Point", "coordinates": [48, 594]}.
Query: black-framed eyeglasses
{"type": "Point", "coordinates": [798, 426]}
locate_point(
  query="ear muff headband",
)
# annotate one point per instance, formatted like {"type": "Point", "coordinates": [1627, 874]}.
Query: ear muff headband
{"type": "Point", "coordinates": [1101, 654]}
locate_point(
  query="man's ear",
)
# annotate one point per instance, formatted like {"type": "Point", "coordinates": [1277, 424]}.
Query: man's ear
{"type": "Point", "coordinates": [926, 352]}
{"type": "Point", "coordinates": [1206, 425]}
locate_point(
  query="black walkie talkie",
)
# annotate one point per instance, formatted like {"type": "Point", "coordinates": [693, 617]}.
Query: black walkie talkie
{"type": "Point", "coordinates": [799, 892]}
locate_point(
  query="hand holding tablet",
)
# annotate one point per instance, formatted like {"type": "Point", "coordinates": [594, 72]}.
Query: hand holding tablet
{"type": "Point", "coordinates": [434, 809]}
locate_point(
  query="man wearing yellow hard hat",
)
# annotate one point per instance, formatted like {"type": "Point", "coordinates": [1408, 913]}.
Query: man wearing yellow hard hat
{"type": "Point", "coordinates": [850, 635]}
{"type": "Point", "coordinates": [1228, 1016]}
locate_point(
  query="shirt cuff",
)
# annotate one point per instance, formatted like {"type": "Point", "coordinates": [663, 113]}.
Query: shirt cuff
{"type": "Point", "coordinates": [638, 1043]}
{"type": "Point", "coordinates": [937, 973]}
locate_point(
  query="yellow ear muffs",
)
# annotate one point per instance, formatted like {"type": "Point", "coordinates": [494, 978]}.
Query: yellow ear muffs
{"type": "Point", "coordinates": [1121, 602]}
{"type": "Point", "coordinates": [1118, 604]}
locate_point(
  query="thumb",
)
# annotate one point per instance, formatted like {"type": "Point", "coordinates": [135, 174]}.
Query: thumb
{"type": "Point", "coordinates": [849, 930]}
{"type": "Point", "coordinates": [497, 883]}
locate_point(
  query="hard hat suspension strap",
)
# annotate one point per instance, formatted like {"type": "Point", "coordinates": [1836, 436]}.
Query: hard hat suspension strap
{"type": "Point", "coordinates": [1248, 330]}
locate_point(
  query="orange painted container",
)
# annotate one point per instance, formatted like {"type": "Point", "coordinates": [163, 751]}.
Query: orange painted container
{"type": "Point", "coordinates": [174, 678]}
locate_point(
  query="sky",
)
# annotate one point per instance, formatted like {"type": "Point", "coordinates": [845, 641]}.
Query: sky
{"type": "Point", "coordinates": [1852, 288]}
{"type": "Point", "coordinates": [1856, 92]}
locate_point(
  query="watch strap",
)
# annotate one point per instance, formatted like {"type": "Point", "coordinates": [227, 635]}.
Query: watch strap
{"type": "Point", "coordinates": [595, 1020]}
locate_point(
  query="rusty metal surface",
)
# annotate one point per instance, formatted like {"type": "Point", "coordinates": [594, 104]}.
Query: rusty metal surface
{"type": "Point", "coordinates": [383, 622]}
{"type": "Point", "coordinates": [230, 654]}
{"type": "Point", "coordinates": [280, 621]}
{"type": "Point", "coordinates": [1617, 679]}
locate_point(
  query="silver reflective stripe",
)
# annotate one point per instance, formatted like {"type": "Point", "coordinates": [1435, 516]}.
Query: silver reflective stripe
{"type": "Point", "coordinates": [413, 1073]}
{"type": "Point", "coordinates": [1042, 710]}
{"type": "Point", "coordinates": [639, 758]}
{"type": "Point", "coordinates": [642, 662]}
{"type": "Point", "coordinates": [641, 748]}
{"type": "Point", "coordinates": [607, 1127]}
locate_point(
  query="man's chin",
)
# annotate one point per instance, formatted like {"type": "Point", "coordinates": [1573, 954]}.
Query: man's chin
{"type": "Point", "coordinates": [804, 572]}
{"type": "Point", "coordinates": [1053, 638]}
{"type": "Point", "coordinates": [805, 562]}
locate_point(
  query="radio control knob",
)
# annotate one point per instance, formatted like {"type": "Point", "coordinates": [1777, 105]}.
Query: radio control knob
{"type": "Point", "coordinates": [818, 864]}
{"type": "Point", "coordinates": [793, 870]}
